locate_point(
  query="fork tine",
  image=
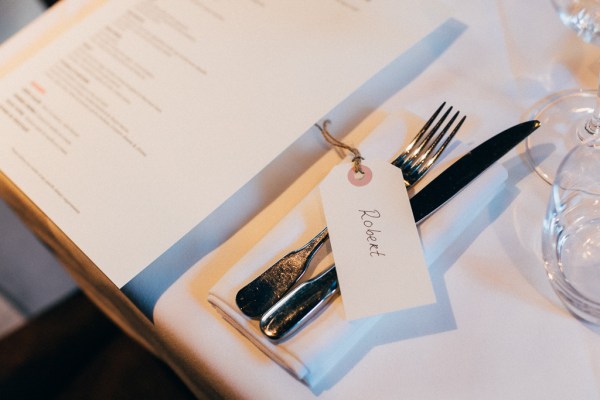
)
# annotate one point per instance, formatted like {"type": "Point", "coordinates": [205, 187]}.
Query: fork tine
{"type": "Point", "coordinates": [424, 149]}
{"type": "Point", "coordinates": [439, 137]}
{"type": "Point", "coordinates": [447, 141]}
{"type": "Point", "coordinates": [407, 151]}
{"type": "Point", "coordinates": [419, 170]}
{"type": "Point", "coordinates": [416, 153]}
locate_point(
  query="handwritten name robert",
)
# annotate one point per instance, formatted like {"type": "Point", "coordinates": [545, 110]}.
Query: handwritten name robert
{"type": "Point", "coordinates": [367, 217]}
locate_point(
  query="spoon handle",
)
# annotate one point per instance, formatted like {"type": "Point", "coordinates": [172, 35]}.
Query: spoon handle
{"type": "Point", "coordinates": [258, 296]}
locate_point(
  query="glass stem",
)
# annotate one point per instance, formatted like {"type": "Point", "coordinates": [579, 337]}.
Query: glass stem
{"type": "Point", "coordinates": [593, 125]}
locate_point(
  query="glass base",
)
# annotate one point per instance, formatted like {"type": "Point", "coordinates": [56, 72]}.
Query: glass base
{"type": "Point", "coordinates": [562, 117]}
{"type": "Point", "coordinates": [577, 304]}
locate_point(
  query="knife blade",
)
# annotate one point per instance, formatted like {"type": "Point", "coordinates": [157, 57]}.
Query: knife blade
{"type": "Point", "coordinates": [468, 167]}
{"type": "Point", "coordinates": [308, 299]}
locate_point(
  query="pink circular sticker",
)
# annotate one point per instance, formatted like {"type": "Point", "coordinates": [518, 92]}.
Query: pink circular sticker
{"type": "Point", "coordinates": [358, 179]}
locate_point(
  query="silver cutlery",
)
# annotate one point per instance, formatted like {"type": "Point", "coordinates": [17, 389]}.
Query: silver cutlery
{"type": "Point", "coordinates": [309, 298]}
{"type": "Point", "coordinates": [263, 292]}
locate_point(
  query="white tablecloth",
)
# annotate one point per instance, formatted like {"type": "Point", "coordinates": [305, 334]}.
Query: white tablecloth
{"type": "Point", "coordinates": [498, 331]}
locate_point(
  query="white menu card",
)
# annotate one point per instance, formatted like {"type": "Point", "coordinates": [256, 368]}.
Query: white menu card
{"type": "Point", "coordinates": [131, 125]}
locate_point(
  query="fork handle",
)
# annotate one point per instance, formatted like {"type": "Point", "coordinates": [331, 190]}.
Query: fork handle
{"type": "Point", "coordinates": [258, 296]}
{"type": "Point", "coordinates": [299, 306]}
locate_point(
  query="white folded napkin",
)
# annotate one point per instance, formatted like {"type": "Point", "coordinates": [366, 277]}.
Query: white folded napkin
{"type": "Point", "coordinates": [320, 345]}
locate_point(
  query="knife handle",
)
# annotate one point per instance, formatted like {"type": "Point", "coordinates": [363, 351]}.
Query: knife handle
{"type": "Point", "coordinates": [299, 305]}
{"type": "Point", "coordinates": [258, 296]}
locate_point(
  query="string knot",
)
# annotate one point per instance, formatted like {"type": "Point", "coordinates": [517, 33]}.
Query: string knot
{"type": "Point", "coordinates": [356, 160]}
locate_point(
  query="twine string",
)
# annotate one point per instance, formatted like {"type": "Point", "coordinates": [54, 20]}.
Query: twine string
{"type": "Point", "coordinates": [356, 160]}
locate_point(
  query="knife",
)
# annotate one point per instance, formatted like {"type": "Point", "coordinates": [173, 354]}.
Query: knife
{"type": "Point", "coordinates": [309, 298]}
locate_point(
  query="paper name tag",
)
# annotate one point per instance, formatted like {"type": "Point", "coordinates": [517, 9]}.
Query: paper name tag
{"type": "Point", "coordinates": [374, 239]}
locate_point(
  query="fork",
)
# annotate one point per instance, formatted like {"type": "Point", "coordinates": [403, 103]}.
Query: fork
{"type": "Point", "coordinates": [263, 292]}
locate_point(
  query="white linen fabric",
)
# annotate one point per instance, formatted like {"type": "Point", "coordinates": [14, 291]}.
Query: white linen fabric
{"type": "Point", "coordinates": [314, 350]}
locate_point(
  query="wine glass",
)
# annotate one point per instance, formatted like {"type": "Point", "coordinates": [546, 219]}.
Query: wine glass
{"type": "Point", "coordinates": [571, 235]}
{"type": "Point", "coordinates": [573, 116]}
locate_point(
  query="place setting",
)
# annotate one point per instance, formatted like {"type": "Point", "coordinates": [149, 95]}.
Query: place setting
{"type": "Point", "coordinates": [356, 199]}
{"type": "Point", "coordinates": [293, 312]}
{"type": "Point", "coordinates": [284, 295]}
